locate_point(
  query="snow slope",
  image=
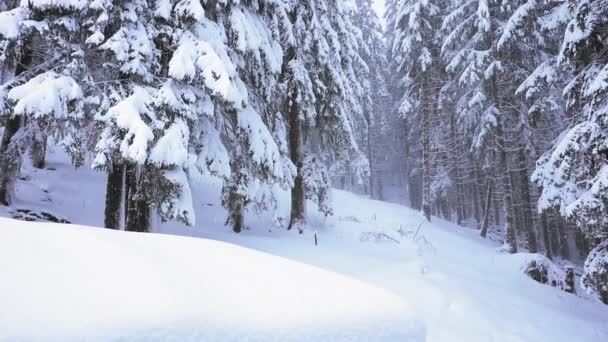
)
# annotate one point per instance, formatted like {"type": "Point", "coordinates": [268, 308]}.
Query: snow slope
{"type": "Point", "coordinates": [69, 282]}
{"type": "Point", "coordinates": [446, 284]}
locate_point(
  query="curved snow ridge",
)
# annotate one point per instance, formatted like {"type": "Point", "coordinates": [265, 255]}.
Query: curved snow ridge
{"type": "Point", "coordinates": [73, 282]}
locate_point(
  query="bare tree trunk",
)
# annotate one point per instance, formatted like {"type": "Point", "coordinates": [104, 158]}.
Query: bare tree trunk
{"type": "Point", "coordinates": [138, 210]}
{"type": "Point", "coordinates": [370, 156]}
{"type": "Point", "coordinates": [298, 193]}
{"type": "Point", "coordinates": [486, 214]}
{"type": "Point", "coordinates": [426, 148]}
{"type": "Point", "coordinates": [527, 203]}
{"type": "Point", "coordinates": [477, 195]}
{"type": "Point", "coordinates": [564, 249]}
{"type": "Point", "coordinates": [236, 212]}
{"type": "Point", "coordinates": [546, 236]}
{"type": "Point", "coordinates": [510, 237]}
{"type": "Point", "coordinates": [114, 196]}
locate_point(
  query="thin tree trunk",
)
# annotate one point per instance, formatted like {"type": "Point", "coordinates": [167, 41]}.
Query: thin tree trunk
{"type": "Point", "coordinates": [546, 236]}
{"type": "Point", "coordinates": [370, 156]}
{"type": "Point", "coordinates": [476, 189]}
{"type": "Point", "coordinates": [527, 203]}
{"type": "Point", "coordinates": [426, 148]}
{"type": "Point", "coordinates": [486, 213]}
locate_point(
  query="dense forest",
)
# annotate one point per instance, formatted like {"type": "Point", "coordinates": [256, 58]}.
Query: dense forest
{"type": "Point", "coordinates": [492, 114]}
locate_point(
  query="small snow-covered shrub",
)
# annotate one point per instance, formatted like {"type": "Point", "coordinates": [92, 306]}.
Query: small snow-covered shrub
{"type": "Point", "coordinates": [377, 237]}
{"type": "Point", "coordinates": [544, 271]}
{"type": "Point", "coordinates": [595, 274]}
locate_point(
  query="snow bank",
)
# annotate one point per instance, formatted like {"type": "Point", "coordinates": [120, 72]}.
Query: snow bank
{"type": "Point", "coordinates": [67, 282]}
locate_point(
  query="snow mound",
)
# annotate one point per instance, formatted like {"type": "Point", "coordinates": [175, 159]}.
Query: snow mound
{"type": "Point", "coordinates": [74, 283]}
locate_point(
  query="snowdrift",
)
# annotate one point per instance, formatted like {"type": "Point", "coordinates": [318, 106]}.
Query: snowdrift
{"type": "Point", "coordinates": [67, 282]}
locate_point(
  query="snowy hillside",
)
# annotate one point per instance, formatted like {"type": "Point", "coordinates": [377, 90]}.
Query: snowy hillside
{"type": "Point", "coordinates": [369, 282]}
{"type": "Point", "coordinates": [77, 283]}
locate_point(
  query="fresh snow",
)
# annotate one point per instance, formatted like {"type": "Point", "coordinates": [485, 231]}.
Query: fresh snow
{"type": "Point", "coordinates": [71, 282]}
{"type": "Point", "coordinates": [444, 283]}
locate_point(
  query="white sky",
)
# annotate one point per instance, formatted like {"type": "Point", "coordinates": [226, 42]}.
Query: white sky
{"type": "Point", "coordinates": [379, 8]}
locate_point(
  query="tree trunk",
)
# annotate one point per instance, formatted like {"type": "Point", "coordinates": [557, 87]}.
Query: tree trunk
{"type": "Point", "coordinates": [426, 148]}
{"type": "Point", "coordinates": [486, 213]}
{"type": "Point", "coordinates": [12, 127]}
{"type": "Point", "coordinates": [510, 237]}
{"type": "Point", "coordinates": [460, 205]}
{"type": "Point", "coordinates": [236, 213]}
{"type": "Point", "coordinates": [114, 196]}
{"type": "Point", "coordinates": [298, 193]}
{"type": "Point", "coordinates": [38, 152]}
{"type": "Point", "coordinates": [138, 210]}
{"type": "Point", "coordinates": [370, 156]}
{"type": "Point", "coordinates": [477, 193]}
{"type": "Point", "coordinates": [527, 203]}
{"type": "Point", "coordinates": [546, 236]}
{"type": "Point", "coordinates": [564, 249]}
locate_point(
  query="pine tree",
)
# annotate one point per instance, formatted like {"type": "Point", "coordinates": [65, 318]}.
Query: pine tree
{"type": "Point", "coordinates": [572, 174]}
{"type": "Point", "coordinates": [414, 46]}
{"type": "Point", "coordinates": [320, 97]}
{"type": "Point", "coordinates": [39, 95]}
{"type": "Point", "coordinates": [373, 52]}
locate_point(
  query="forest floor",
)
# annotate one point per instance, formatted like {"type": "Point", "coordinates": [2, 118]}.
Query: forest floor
{"type": "Point", "coordinates": [376, 274]}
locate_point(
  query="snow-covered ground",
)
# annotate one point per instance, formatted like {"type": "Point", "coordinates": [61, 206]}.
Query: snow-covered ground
{"type": "Point", "coordinates": [365, 281]}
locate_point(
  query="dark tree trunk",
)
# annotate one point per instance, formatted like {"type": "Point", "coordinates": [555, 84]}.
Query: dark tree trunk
{"type": "Point", "coordinates": [236, 212]}
{"type": "Point", "coordinates": [138, 210]}
{"type": "Point", "coordinates": [298, 193]}
{"type": "Point", "coordinates": [114, 196]}
{"type": "Point", "coordinates": [12, 126]}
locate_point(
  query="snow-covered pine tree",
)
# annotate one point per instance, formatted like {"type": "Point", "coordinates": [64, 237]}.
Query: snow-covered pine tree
{"type": "Point", "coordinates": [373, 51]}
{"type": "Point", "coordinates": [574, 174]}
{"type": "Point", "coordinates": [261, 163]}
{"type": "Point", "coordinates": [531, 38]}
{"type": "Point", "coordinates": [320, 94]}
{"type": "Point", "coordinates": [473, 57]}
{"type": "Point", "coordinates": [404, 135]}
{"type": "Point", "coordinates": [122, 34]}
{"type": "Point", "coordinates": [414, 44]}
{"type": "Point", "coordinates": [40, 61]}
